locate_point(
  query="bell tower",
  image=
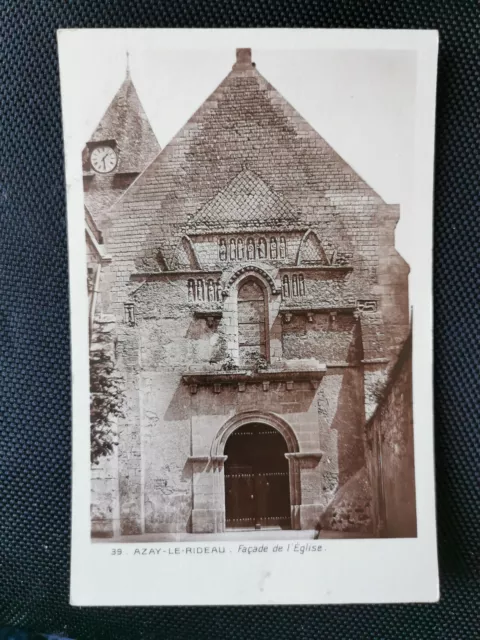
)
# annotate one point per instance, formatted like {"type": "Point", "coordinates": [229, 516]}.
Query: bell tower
{"type": "Point", "coordinates": [120, 148]}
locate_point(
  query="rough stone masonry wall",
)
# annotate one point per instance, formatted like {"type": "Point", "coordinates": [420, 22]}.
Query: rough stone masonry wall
{"type": "Point", "coordinates": [246, 122]}
{"type": "Point", "coordinates": [155, 438]}
{"type": "Point", "coordinates": [164, 424]}
{"type": "Point", "coordinates": [105, 518]}
{"type": "Point", "coordinates": [390, 453]}
{"type": "Point", "coordinates": [102, 191]}
{"type": "Point", "coordinates": [380, 498]}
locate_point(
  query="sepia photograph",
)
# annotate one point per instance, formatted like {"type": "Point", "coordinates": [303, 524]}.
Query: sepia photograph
{"type": "Point", "coordinates": [250, 326]}
{"type": "Point", "coordinates": [250, 227]}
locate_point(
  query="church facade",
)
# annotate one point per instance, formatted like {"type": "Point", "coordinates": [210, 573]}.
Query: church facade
{"type": "Point", "coordinates": [257, 311]}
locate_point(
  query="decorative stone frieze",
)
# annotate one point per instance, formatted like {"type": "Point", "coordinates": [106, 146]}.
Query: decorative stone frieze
{"type": "Point", "coordinates": [204, 290]}
{"type": "Point", "coordinates": [287, 372]}
{"type": "Point", "coordinates": [252, 269]}
{"type": "Point", "coordinates": [239, 249]}
{"type": "Point", "coordinates": [309, 311]}
{"type": "Point", "coordinates": [293, 286]}
{"type": "Point", "coordinates": [367, 306]}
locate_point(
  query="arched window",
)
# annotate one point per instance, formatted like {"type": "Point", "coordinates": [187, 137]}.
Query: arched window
{"type": "Point", "coordinates": [253, 344]}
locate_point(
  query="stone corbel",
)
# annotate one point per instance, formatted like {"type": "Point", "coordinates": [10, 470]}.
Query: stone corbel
{"type": "Point", "coordinates": [305, 455]}
{"type": "Point", "coordinates": [287, 317]}
{"type": "Point", "coordinates": [209, 315]}
{"type": "Point", "coordinates": [217, 387]}
{"type": "Point", "coordinates": [193, 389]}
{"type": "Point", "coordinates": [218, 461]}
{"type": "Point", "coordinates": [198, 458]}
{"type": "Point", "coordinates": [266, 385]}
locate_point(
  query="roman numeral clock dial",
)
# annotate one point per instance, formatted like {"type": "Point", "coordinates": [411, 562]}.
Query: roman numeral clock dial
{"type": "Point", "coordinates": [103, 159]}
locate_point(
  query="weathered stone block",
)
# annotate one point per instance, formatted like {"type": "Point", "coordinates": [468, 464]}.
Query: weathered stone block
{"type": "Point", "coordinates": [207, 521]}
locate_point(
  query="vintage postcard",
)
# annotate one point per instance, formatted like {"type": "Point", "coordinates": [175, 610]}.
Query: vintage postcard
{"type": "Point", "coordinates": [250, 241]}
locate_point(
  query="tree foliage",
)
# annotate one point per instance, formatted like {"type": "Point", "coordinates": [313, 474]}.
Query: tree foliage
{"type": "Point", "coordinates": [106, 402]}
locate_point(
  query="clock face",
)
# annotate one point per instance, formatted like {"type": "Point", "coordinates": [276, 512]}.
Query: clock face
{"type": "Point", "coordinates": [103, 159]}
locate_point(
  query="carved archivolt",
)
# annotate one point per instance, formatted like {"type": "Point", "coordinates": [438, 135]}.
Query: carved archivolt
{"type": "Point", "coordinates": [252, 269]}
{"type": "Point", "coordinates": [186, 255]}
{"type": "Point", "coordinates": [310, 250]}
{"type": "Point", "coordinates": [254, 417]}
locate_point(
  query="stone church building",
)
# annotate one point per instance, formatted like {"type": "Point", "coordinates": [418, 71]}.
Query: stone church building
{"type": "Point", "coordinates": [246, 281]}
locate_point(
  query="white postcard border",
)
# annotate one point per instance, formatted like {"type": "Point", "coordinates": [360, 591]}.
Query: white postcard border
{"type": "Point", "coordinates": [345, 571]}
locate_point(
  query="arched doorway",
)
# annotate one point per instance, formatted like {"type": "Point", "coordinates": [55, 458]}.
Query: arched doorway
{"type": "Point", "coordinates": [257, 484]}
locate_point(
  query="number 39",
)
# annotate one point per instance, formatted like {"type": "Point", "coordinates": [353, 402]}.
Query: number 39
{"type": "Point", "coordinates": [116, 552]}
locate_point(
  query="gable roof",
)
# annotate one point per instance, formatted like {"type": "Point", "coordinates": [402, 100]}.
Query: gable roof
{"type": "Point", "coordinates": [244, 202]}
{"type": "Point", "coordinates": [201, 172]}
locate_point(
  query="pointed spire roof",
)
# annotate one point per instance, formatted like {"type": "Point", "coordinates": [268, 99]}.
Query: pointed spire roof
{"type": "Point", "coordinates": [126, 122]}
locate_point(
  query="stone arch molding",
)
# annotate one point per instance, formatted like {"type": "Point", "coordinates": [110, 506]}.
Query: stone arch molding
{"type": "Point", "coordinates": [310, 233]}
{"type": "Point", "coordinates": [188, 248]}
{"type": "Point", "coordinates": [251, 270]}
{"type": "Point", "coordinates": [257, 417]}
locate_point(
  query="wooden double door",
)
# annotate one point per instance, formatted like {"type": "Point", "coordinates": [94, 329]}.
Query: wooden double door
{"type": "Point", "coordinates": [257, 486]}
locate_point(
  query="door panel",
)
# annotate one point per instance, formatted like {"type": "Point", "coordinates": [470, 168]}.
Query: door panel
{"type": "Point", "coordinates": [240, 497]}
{"type": "Point", "coordinates": [257, 485]}
{"type": "Point", "coordinates": [272, 508]}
